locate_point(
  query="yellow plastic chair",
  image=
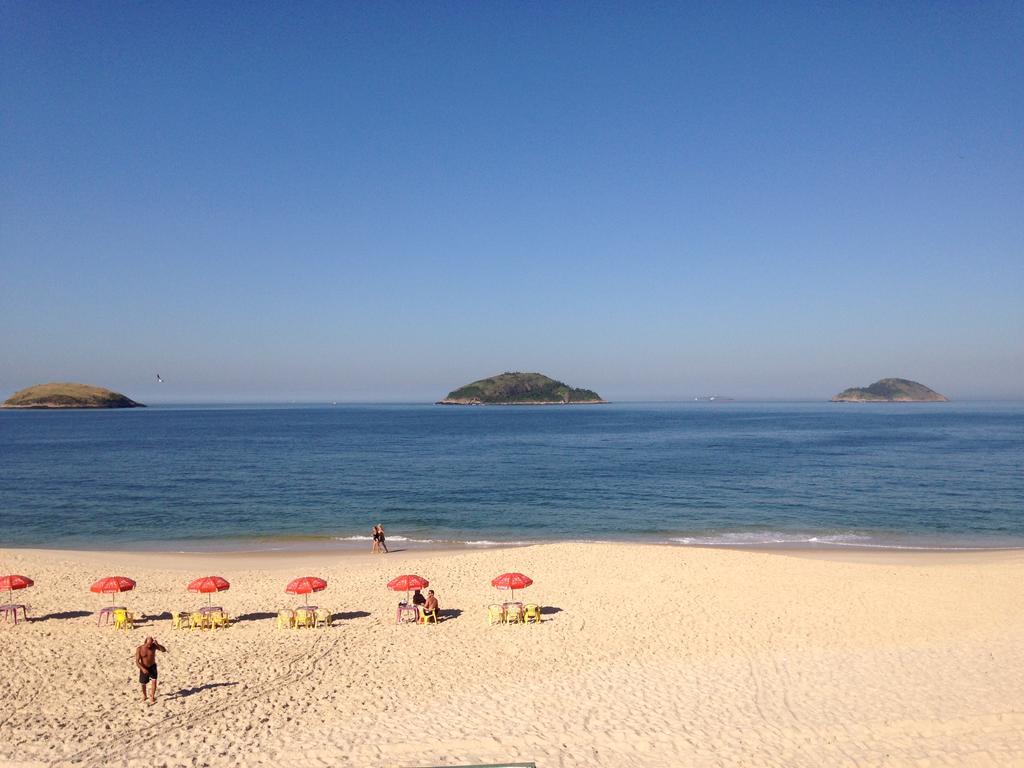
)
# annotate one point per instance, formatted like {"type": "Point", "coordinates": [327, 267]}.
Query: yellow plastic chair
{"type": "Point", "coordinates": [285, 619]}
{"type": "Point", "coordinates": [513, 615]}
{"type": "Point", "coordinates": [123, 619]}
{"type": "Point", "coordinates": [531, 614]}
{"type": "Point", "coordinates": [197, 620]}
{"type": "Point", "coordinates": [219, 620]}
{"type": "Point", "coordinates": [304, 618]}
{"type": "Point", "coordinates": [495, 614]}
{"type": "Point", "coordinates": [426, 617]}
{"type": "Point", "coordinates": [179, 620]}
{"type": "Point", "coordinates": [323, 617]}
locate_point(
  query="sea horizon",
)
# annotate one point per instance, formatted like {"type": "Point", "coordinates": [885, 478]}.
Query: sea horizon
{"type": "Point", "coordinates": [721, 400]}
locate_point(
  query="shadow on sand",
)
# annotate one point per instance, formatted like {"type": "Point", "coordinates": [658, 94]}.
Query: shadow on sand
{"type": "Point", "coordinates": [185, 692]}
{"type": "Point", "coordinates": [259, 616]}
{"type": "Point", "coordinates": [61, 615]}
{"type": "Point", "coordinates": [346, 615]}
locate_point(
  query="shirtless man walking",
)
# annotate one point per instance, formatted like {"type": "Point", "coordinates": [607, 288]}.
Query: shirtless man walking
{"type": "Point", "coordinates": [145, 660]}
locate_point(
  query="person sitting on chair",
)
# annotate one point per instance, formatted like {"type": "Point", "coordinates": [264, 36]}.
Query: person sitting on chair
{"type": "Point", "coordinates": [418, 598]}
{"type": "Point", "coordinates": [430, 606]}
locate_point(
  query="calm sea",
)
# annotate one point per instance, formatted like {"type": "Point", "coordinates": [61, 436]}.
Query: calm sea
{"type": "Point", "coordinates": [821, 474]}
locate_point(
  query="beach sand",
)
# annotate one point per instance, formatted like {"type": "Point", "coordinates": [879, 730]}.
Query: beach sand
{"type": "Point", "coordinates": [651, 656]}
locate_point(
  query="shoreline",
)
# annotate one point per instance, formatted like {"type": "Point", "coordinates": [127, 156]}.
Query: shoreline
{"type": "Point", "coordinates": [313, 555]}
{"type": "Point", "coordinates": [755, 540]}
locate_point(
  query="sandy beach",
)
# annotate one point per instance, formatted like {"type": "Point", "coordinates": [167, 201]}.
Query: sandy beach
{"type": "Point", "coordinates": [649, 656]}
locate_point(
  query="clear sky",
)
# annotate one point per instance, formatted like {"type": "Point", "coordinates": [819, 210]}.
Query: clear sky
{"type": "Point", "coordinates": [385, 201]}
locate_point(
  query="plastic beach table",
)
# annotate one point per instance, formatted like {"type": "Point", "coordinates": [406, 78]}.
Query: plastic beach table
{"type": "Point", "coordinates": [106, 612]}
{"type": "Point", "coordinates": [404, 608]}
{"type": "Point", "coordinates": [211, 609]}
{"type": "Point", "coordinates": [12, 609]}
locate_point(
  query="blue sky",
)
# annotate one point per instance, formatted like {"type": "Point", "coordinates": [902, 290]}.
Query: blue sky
{"type": "Point", "coordinates": [384, 201]}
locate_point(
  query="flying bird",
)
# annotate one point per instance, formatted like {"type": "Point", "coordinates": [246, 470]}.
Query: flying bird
{"type": "Point", "coordinates": [158, 379]}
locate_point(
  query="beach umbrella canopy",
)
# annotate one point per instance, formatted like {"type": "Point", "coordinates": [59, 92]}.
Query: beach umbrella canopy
{"type": "Point", "coordinates": [305, 585]}
{"type": "Point", "coordinates": [407, 583]}
{"type": "Point", "coordinates": [512, 581]}
{"type": "Point", "coordinates": [112, 585]}
{"type": "Point", "coordinates": [207, 585]}
{"type": "Point", "coordinates": [12, 582]}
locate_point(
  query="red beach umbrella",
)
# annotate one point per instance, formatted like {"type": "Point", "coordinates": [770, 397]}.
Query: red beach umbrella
{"type": "Point", "coordinates": [305, 585]}
{"type": "Point", "coordinates": [407, 583]}
{"type": "Point", "coordinates": [512, 581]}
{"type": "Point", "coordinates": [12, 582]}
{"type": "Point", "coordinates": [208, 585]}
{"type": "Point", "coordinates": [112, 585]}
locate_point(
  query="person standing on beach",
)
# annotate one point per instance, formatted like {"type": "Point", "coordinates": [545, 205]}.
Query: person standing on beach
{"type": "Point", "coordinates": [145, 660]}
{"type": "Point", "coordinates": [376, 540]}
{"type": "Point", "coordinates": [380, 533]}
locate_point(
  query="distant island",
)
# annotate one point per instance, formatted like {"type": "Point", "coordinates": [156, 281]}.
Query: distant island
{"type": "Point", "coordinates": [68, 395]}
{"type": "Point", "coordinates": [890, 391]}
{"type": "Point", "coordinates": [519, 389]}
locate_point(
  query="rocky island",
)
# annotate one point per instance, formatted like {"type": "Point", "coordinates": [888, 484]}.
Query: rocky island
{"type": "Point", "coordinates": [68, 395]}
{"type": "Point", "coordinates": [890, 391]}
{"type": "Point", "coordinates": [519, 389]}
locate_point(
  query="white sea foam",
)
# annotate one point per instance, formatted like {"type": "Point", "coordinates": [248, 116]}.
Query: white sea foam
{"type": "Point", "coordinates": [762, 538]}
{"type": "Point", "coordinates": [412, 540]}
{"type": "Point", "coordinates": [926, 548]}
{"type": "Point", "coordinates": [488, 543]}
{"type": "Point", "coordinates": [853, 540]}
{"type": "Point", "coordinates": [386, 539]}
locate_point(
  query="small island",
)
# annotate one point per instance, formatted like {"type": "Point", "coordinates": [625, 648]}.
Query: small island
{"type": "Point", "coordinates": [520, 389]}
{"type": "Point", "coordinates": [68, 395]}
{"type": "Point", "coordinates": [890, 391]}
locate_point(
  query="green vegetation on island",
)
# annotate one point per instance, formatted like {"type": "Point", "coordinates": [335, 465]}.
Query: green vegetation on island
{"type": "Point", "coordinates": [68, 395]}
{"type": "Point", "coordinates": [890, 391]}
{"type": "Point", "coordinates": [519, 389]}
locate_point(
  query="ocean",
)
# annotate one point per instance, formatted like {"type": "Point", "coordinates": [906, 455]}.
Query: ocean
{"type": "Point", "coordinates": [190, 478]}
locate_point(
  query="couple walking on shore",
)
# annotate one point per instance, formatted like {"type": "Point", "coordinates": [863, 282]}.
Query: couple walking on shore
{"type": "Point", "coordinates": [378, 540]}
